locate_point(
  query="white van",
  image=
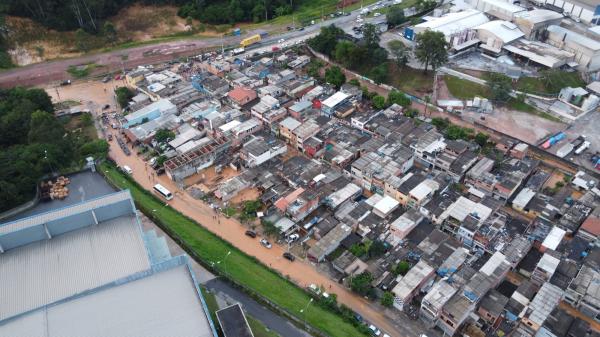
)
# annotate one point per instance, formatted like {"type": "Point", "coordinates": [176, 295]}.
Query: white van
{"type": "Point", "coordinates": [127, 169]}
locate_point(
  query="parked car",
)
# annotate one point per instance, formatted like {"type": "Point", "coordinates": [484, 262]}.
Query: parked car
{"type": "Point", "coordinates": [251, 234]}
{"type": "Point", "coordinates": [265, 243]}
{"type": "Point", "coordinates": [275, 48]}
{"type": "Point", "coordinates": [289, 256]}
{"type": "Point", "coordinates": [292, 238]}
{"type": "Point", "coordinates": [374, 330]}
{"type": "Point", "coordinates": [127, 169]}
{"type": "Point", "coordinates": [65, 82]}
{"type": "Point", "coordinates": [106, 79]}
{"type": "Point", "coordinates": [106, 107]}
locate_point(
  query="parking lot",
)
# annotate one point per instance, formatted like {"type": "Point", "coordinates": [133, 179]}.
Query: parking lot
{"type": "Point", "coordinates": [587, 126]}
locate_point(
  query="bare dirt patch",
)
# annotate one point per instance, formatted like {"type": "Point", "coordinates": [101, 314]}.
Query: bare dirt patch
{"type": "Point", "coordinates": [245, 195]}
{"type": "Point", "coordinates": [32, 42]}
{"type": "Point", "coordinates": [142, 23]}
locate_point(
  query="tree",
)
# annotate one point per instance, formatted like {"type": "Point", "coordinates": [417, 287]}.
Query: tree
{"type": "Point", "coordinates": [343, 52]}
{"type": "Point", "coordinates": [251, 207]}
{"type": "Point", "coordinates": [378, 102]}
{"type": "Point", "coordinates": [401, 268]}
{"type": "Point", "coordinates": [424, 5]}
{"type": "Point", "coordinates": [379, 56]}
{"type": "Point", "coordinates": [359, 249]}
{"type": "Point", "coordinates": [400, 52]}
{"type": "Point", "coordinates": [376, 249]}
{"type": "Point", "coordinates": [327, 39]}
{"type": "Point", "coordinates": [500, 86]}
{"type": "Point", "coordinates": [379, 74]}
{"type": "Point", "coordinates": [314, 68]}
{"type": "Point", "coordinates": [33, 143]}
{"type": "Point", "coordinates": [361, 283]}
{"type": "Point", "coordinates": [395, 15]}
{"type": "Point", "coordinates": [164, 135]}
{"type": "Point", "coordinates": [481, 139]}
{"type": "Point", "coordinates": [5, 60]}
{"type": "Point", "coordinates": [82, 40]}
{"type": "Point", "coordinates": [97, 148]}
{"type": "Point", "coordinates": [440, 123]}
{"type": "Point", "coordinates": [396, 97]}
{"type": "Point", "coordinates": [387, 300]}
{"type": "Point", "coordinates": [87, 119]}
{"type": "Point", "coordinates": [370, 35]}
{"type": "Point", "coordinates": [124, 94]}
{"type": "Point", "coordinates": [44, 127]}
{"type": "Point", "coordinates": [269, 229]}
{"type": "Point", "coordinates": [335, 76]}
{"type": "Point", "coordinates": [456, 132]}
{"type": "Point", "coordinates": [431, 49]}
{"type": "Point", "coordinates": [354, 82]}
{"type": "Point", "coordinates": [109, 31]}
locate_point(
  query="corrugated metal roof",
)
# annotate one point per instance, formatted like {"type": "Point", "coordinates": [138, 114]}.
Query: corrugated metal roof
{"type": "Point", "coordinates": [162, 304]}
{"type": "Point", "coordinates": [46, 271]}
{"type": "Point", "coordinates": [43, 218]}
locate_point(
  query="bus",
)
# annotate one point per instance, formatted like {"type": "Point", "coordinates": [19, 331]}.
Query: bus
{"type": "Point", "coordinates": [162, 191]}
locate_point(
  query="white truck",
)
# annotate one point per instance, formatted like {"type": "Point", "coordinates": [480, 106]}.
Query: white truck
{"type": "Point", "coordinates": [583, 147]}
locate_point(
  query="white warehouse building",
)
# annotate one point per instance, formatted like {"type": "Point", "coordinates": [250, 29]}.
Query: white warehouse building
{"type": "Point", "coordinates": [458, 28]}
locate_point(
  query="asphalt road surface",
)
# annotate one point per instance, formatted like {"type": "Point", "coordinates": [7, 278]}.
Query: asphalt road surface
{"type": "Point", "coordinates": [56, 71]}
{"type": "Point", "coordinates": [271, 320]}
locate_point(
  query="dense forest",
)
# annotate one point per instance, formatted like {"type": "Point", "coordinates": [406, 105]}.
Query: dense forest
{"type": "Point", "coordinates": [90, 14]}
{"type": "Point", "coordinates": [5, 61]}
{"type": "Point", "coordinates": [34, 143]}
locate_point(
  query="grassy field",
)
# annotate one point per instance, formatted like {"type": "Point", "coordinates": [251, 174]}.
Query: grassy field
{"type": "Point", "coordinates": [537, 85]}
{"type": "Point", "coordinates": [463, 89]}
{"type": "Point", "coordinates": [241, 268]}
{"type": "Point", "coordinates": [412, 81]}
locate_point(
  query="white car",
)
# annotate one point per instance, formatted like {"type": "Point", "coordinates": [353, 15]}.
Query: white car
{"type": "Point", "coordinates": [265, 243]}
{"type": "Point", "coordinates": [375, 331]}
{"type": "Point", "coordinates": [377, 14]}
{"type": "Point", "coordinates": [292, 238]}
{"type": "Point", "coordinates": [281, 41]}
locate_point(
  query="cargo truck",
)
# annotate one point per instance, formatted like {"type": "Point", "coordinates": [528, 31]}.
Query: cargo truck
{"type": "Point", "coordinates": [256, 38]}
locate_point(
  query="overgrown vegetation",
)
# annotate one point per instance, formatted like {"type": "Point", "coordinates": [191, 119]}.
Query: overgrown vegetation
{"type": "Point", "coordinates": [366, 57]}
{"type": "Point", "coordinates": [124, 95]}
{"type": "Point", "coordinates": [361, 284]}
{"type": "Point", "coordinates": [34, 143]}
{"type": "Point", "coordinates": [82, 70]}
{"type": "Point", "coordinates": [5, 61]}
{"type": "Point", "coordinates": [241, 268]}
{"type": "Point", "coordinates": [550, 82]}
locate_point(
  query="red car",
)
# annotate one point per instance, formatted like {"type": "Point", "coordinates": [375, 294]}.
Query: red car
{"type": "Point", "coordinates": [275, 48]}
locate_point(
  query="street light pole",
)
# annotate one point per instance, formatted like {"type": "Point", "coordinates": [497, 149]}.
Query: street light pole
{"type": "Point", "coordinates": [224, 260]}
{"type": "Point", "coordinates": [302, 311]}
